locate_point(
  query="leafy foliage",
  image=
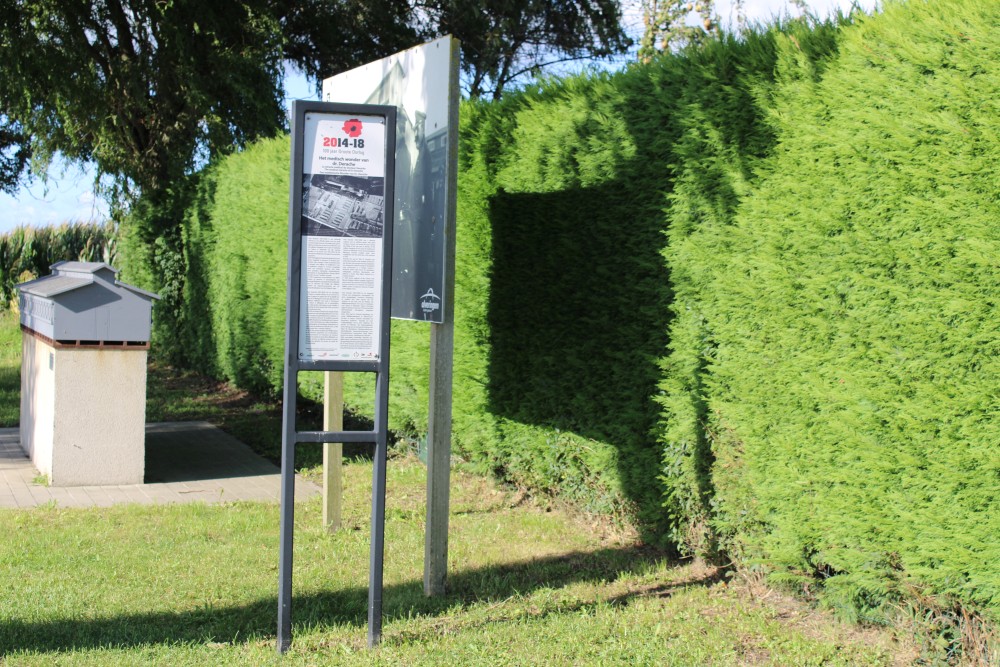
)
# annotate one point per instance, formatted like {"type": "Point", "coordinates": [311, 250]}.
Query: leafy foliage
{"type": "Point", "coordinates": [147, 91]}
{"type": "Point", "coordinates": [139, 92]}
{"type": "Point", "coordinates": [324, 37]}
{"type": "Point", "coordinates": [669, 23]}
{"type": "Point", "coordinates": [723, 137]}
{"type": "Point", "coordinates": [505, 39]}
{"type": "Point", "coordinates": [15, 155]}
{"type": "Point", "coordinates": [851, 311]}
{"type": "Point", "coordinates": [28, 252]}
{"type": "Point", "coordinates": [150, 91]}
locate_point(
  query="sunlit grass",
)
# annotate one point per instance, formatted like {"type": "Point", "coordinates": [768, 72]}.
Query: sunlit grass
{"type": "Point", "coordinates": [196, 584]}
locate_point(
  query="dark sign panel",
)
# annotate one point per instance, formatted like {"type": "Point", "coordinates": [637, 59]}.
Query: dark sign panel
{"type": "Point", "coordinates": [340, 201]}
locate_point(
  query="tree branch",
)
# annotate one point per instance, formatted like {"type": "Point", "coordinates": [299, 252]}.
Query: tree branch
{"type": "Point", "coordinates": [551, 62]}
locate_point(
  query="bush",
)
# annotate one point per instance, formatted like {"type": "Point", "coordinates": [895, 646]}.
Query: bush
{"type": "Point", "coordinates": [852, 352]}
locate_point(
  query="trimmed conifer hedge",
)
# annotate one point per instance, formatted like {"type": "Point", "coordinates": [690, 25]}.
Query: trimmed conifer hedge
{"type": "Point", "coordinates": [851, 336]}
{"type": "Point", "coordinates": [743, 297]}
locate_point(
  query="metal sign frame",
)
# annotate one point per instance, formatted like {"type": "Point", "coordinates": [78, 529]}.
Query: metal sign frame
{"type": "Point", "coordinates": [290, 436]}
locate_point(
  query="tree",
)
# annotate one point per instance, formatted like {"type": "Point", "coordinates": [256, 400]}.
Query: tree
{"type": "Point", "coordinates": [147, 90]}
{"type": "Point", "coordinates": [504, 39]}
{"type": "Point", "coordinates": [325, 37]}
{"type": "Point", "coordinates": [675, 23]}
{"type": "Point", "coordinates": [669, 23]}
{"type": "Point", "coordinates": [15, 153]}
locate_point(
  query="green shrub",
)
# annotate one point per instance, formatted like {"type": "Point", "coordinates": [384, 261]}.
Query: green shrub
{"type": "Point", "coordinates": [741, 296]}
{"type": "Point", "coordinates": [851, 338]}
{"type": "Point", "coordinates": [562, 294]}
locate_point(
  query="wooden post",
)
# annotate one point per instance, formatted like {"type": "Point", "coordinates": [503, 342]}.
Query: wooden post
{"type": "Point", "coordinates": [333, 452]}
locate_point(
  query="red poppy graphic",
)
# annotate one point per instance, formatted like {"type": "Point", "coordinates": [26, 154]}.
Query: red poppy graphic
{"type": "Point", "coordinates": [352, 127]}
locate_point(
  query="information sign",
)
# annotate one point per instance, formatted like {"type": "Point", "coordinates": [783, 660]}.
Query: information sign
{"type": "Point", "coordinates": [342, 228]}
{"type": "Point", "coordinates": [339, 290]}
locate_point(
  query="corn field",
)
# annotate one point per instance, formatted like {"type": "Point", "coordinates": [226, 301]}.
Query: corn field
{"type": "Point", "coordinates": [28, 252]}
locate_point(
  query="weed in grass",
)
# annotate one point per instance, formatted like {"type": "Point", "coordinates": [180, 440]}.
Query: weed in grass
{"type": "Point", "coordinates": [949, 633]}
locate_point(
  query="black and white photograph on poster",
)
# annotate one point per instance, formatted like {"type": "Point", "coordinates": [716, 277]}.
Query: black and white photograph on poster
{"type": "Point", "coordinates": [342, 227]}
{"type": "Point", "coordinates": [343, 206]}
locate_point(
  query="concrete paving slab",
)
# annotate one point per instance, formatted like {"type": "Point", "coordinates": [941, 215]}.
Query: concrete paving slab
{"type": "Point", "coordinates": [185, 462]}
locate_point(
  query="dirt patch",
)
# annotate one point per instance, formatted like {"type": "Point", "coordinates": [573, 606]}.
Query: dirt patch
{"type": "Point", "coordinates": [823, 625]}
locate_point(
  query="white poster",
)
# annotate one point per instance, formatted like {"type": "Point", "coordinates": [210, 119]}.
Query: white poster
{"type": "Point", "coordinates": [343, 217]}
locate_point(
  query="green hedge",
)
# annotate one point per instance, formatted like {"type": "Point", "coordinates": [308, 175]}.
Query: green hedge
{"type": "Point", "coordinates": [562, 296]}
{"type": "Point", "coordinates": [570, 180]}
{"type": "Point", "coordinates": [742, 297]}
{"type": "Point", "coordinates": [851, 337]}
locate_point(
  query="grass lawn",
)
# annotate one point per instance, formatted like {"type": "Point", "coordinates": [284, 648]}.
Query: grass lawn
{"type": "Point", "coordinates": [10, 369]}
{"type": "Point", "coordinates": [195, 584]}
{"type": "Point", "coordinates": [530, 584]}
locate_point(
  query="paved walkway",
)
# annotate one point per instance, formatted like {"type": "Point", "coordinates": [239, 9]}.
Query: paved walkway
{"type": "Point", "coordinates": [185, 462]}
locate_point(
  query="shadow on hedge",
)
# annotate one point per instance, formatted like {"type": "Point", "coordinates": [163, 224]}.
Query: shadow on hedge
{"type": "Point", "coordinates": [578, 311]}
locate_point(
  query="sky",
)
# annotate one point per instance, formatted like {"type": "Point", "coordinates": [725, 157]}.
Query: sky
{"type": "Point", "coordinates": [68, 193]}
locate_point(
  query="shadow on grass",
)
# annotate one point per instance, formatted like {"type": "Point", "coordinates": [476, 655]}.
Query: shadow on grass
{"type": "Point", "coordinates": [176, 395]}
{"type": "Point", "coordinates": [10, 396]}
{"type": "Point", "coordinates": [257, 620]}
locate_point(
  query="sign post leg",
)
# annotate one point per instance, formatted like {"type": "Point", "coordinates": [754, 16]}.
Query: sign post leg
{"type": "Point", "coordinates": [333, 452]}
{"type": "Point", "coordinates": [377, 553]}
{"type": "Point", "coordinates": [377, 546]}
{"type": "Point", "coordinates": [287, 524]}
{"type": "Point", "coordinates": [442, 369]}
{"type": "Point", "coordinates": [438, 460]}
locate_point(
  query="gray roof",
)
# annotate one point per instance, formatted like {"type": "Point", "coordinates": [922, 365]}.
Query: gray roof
{"type": "Point", "coordinates": [137, 290]}
{"type": "Point", "coordinates": [50, 286]}
{"type": "Point", "coordinates": [60, 283]}
{"type": "Point", "coordinates": [82, 267]}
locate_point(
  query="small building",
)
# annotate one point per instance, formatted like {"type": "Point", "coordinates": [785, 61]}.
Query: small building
{"type": "Point", "coordinates": [85, 338]}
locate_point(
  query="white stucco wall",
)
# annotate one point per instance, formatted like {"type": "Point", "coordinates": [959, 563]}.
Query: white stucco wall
{"type": "Point", "coordinates": [37, 401]}
{"type": "Point", "coordinates": [100, 417]}
{"type": "Point", "coordinates": [83, 413]}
